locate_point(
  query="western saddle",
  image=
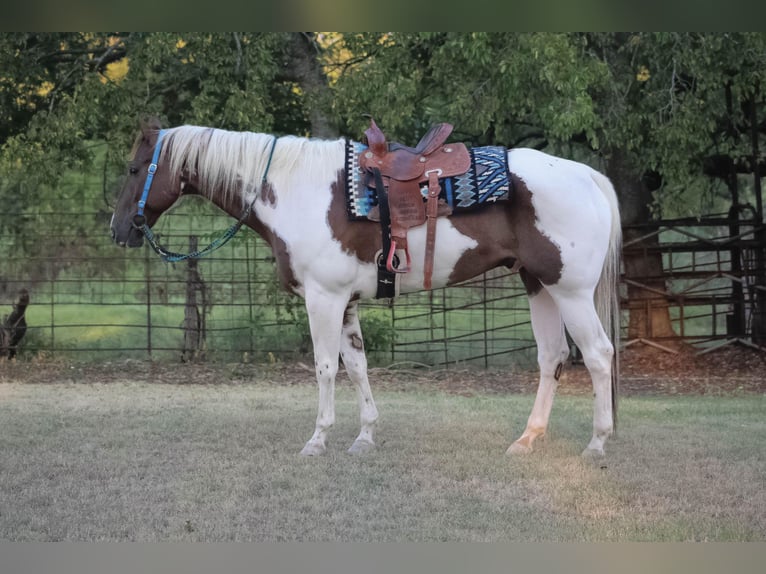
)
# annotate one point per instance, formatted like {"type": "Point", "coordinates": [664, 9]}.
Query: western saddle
{"type": "Point", "coordinates": [398, 173]}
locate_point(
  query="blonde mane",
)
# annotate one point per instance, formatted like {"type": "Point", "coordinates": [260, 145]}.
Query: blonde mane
{"type": "Point", "coordinates": [234, 163]}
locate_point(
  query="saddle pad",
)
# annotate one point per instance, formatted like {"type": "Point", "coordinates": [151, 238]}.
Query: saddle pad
{"type": "Point", "coordinates": [485, 182]}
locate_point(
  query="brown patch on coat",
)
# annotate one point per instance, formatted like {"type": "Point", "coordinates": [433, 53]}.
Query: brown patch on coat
{"type": "Point", "coordinates": [356, 341]}
{"type": "Point", "coordinates": [497, 244]}
{"type": "Point", "coordinates": [281, 254]}
{"type": "Point", "coordinates": [531, 284]}
{"type": "Point", "coordinates": [278, 246]}
{"type": "Point", "coordinates": [506, 235]}
{"type": "Point", "coordinates": [284, 267]}
{"type": "Point", "coordinates": [349, 315]}
{"type": "Point", "coordinates": [540, 256]}
{"type": "Point", "coordinates": [267, 195]}
{"type": "Point", "coordinates": [359, 238]}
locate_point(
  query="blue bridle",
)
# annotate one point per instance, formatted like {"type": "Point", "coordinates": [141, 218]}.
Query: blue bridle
{"type": "Point", "coordinates": [150, 176]}
{"type": "Point", "coordinates": [139, 220]}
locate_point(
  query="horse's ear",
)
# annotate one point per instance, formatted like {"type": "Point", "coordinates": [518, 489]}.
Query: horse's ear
{"type": "Point", "coordinates": [150, 125]}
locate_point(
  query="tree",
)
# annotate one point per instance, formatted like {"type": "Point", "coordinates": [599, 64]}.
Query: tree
{"type": "Point", "coordinates": [675, 119]}
{"type": "Point", "coordinates": [70, 99]}
{"type": "Point", "coordinates": [693, 104]}
{"type": "Point", "coordinates": [649, 109]}
{"type": "Point", "coordinates": [60, 92]}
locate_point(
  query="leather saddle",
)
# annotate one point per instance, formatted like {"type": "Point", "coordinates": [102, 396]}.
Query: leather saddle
{"type": "Point", "coordinates": [398, 172]}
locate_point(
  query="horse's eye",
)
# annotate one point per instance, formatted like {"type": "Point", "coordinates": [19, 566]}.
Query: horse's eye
{"type": "Point", "coordinates": [133, 170]}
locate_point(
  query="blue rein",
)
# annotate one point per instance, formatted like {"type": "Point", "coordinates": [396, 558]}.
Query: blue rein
{"type": "Point", "coordinates": [139, 220]}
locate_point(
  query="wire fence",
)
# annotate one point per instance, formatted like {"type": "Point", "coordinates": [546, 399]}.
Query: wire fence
{"type": "Point", "coordinates": [91, 300]}
{"type": "Point", "coordinates": [94, 301]}
{"type": "Point", "coordinates": [712, 281]}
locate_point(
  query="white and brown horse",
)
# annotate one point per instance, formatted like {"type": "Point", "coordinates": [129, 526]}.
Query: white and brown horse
{"type": "Point", "coordinates": [560, 229]}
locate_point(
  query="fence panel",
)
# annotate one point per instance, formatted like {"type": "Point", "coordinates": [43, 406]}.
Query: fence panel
{"type": "Point", "coordinates": [94, 301]}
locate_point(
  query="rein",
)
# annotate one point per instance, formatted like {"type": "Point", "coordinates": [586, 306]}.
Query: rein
{"type": "Point", "coordinates": [139, 220]}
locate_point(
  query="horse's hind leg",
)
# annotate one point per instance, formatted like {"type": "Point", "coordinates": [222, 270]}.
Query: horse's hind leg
{"type": "Point", "coordinates": [355, 361]}
{"type": "Point", "coordinates": [583, 324]}
{"type": "Point", "coordinates": [552, 351]}
{"type": "Point", "coordinates": [325, 320]}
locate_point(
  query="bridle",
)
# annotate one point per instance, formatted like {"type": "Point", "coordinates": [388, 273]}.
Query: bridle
{"type": "Point", "coordinates": [139, 219]}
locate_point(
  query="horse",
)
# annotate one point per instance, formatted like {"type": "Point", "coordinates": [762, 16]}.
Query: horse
{"type": "Point", "coordinates": [560, 230]}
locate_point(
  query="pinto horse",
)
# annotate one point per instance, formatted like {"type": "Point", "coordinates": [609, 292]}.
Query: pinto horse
{"type": "Point", "coordinates": [560, 230]}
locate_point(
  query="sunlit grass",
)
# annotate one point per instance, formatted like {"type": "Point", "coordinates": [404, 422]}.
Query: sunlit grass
{"type": "Point", "coordinates": [136, 461]}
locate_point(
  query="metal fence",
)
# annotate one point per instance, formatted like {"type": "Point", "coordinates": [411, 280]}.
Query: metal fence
{"type": "Point", "coordinates": [713, 281]}
{"type": "Point", "coordinates": [93, 301]}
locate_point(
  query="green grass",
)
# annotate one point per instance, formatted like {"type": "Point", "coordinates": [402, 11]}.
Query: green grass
{"type": "Point", "coordinates": [154, 462]}
{"type": "Point", "coordinates": [87, 329]}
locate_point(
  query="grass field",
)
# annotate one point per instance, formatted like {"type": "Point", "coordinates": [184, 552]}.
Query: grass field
{"type": "Point", "coordinates": [155, 462]}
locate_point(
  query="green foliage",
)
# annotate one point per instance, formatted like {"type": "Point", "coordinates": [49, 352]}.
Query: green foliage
{"type": "Point", "coordinates": [665, 105]}
{"type": "Point", "coordinates": [661, 98]}
{"type": "Point", "coordinates": [378, 331]}
{"type": "Point", "coordinates": [61, 91]}
{"type": "Point", "coordinates": [668, 100]}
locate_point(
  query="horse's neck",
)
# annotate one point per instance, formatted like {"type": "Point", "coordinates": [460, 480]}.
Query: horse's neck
{"type": "Point", "coordinates": [228, 200]}
{"type": "Point", "coordinates": [314, 170]}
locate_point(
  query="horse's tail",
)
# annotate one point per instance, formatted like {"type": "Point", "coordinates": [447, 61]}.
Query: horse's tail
{"type": "Point", "coordinates": [607, 290]}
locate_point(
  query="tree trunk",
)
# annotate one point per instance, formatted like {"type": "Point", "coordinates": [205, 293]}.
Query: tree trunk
{"type": "Point", "coordinates": [194, 327]}
{"type": "Point", "coordinates": [647, 303]}
{"type": "Point", "coordinates": [306, 71]}
{"type": "Point", "coordinates": [759, 310]}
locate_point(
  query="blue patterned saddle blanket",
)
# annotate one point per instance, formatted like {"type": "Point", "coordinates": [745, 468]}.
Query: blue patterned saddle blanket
{"type": "Point", "coordinates": [487, 181]}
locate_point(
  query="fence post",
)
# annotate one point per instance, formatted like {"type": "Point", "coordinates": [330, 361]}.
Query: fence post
{"type": "Point", "coordinates": [444, 326]}
{"type": "Point", "coordinates": [53, 312]}
{"type": "Point", "coordinates": [486, 324]}
{"type": "Point", "coordinates": [195, 327]}
{"type": "Point", "coordinates": [250, 325]}
{"type": "Point", "coordinates": [393, 327]}
{"type": "Point", "coordinates": [148, 281]}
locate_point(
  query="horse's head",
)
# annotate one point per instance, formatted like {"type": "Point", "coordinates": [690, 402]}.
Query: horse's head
{"type": "Point", "coordinates": [163, 191]}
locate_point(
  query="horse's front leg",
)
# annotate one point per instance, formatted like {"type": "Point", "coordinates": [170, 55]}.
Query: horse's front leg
{"type": "Point", "coordinates": [325, 312]}
{"type": "Point", "coordinates": [355, 361]}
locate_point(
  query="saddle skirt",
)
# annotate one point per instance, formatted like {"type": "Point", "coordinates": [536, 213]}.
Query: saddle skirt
{"type": "Point", "coordinates": [486, 181]}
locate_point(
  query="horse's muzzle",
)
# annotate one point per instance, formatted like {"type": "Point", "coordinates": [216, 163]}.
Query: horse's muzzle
{"type": "Point", "coordinates": [133, 238]}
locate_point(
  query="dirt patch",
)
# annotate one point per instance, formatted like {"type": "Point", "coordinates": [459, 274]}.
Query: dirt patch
{"type": "Point", "coordinates": [645, 370]}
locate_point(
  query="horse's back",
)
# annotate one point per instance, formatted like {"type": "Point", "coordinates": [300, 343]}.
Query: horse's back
{"type": "Point", "coordinates": [542, 170]}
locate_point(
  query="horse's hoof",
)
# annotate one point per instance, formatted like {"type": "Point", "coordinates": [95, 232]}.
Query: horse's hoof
{"type": "Point", "coordinates": [593, 454]}
{"type": "Point", "coordinates": [361, 447]}
{"type": "Point", "coordinates": [313, 448]}
{"type": "Point", "coordinates": [517, 449]}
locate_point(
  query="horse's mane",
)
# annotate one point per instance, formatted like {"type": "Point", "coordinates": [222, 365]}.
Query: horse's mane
{"type": "Point", "coordinates": [235, 162]}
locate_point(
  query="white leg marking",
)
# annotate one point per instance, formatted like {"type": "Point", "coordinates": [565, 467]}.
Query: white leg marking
{"type": "Point", "coordinates": [552, 351]}
{"type": "Point", "coordinates": [582, 322]}
{"type": "Point", "coordinates": [355, 361]}
{"type": "Point", "coordinates": [326, 320]}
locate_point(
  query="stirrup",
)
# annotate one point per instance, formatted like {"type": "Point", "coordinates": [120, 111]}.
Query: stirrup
{"type": "Point", "coordinates": [390, 259]}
